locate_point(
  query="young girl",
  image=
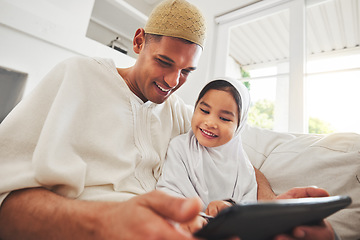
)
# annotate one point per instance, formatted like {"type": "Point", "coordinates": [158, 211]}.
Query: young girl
{"type": "Point", "coordinates": [209, 161]}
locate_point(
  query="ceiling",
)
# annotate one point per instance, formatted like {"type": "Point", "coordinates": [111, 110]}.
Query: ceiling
{"type": "Point", "coordinates": [331, 26]}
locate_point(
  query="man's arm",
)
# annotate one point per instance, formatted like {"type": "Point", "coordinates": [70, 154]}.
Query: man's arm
{"type": "Point", "coordinates": [40, 214]}
{"type": "Point", "coordinates": [265, 191]}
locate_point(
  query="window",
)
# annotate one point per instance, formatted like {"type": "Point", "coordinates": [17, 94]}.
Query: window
{"type": "Point", "coordinates": [290, 42]}
{"type": "Point", "coordinates": [333, 94]}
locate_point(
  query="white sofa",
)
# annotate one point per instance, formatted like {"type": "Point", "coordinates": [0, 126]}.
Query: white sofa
{"type": "Point", "coordinates": [330, 161]}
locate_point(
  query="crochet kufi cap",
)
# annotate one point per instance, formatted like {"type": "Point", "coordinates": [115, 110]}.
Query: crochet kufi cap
{"type": "Point", "coordinates": [177, 18]}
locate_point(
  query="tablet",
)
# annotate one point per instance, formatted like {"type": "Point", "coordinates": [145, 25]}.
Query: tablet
{"type": "Point", "coordinates": [265, 219]}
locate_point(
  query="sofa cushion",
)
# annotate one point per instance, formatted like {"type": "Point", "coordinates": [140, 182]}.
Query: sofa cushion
{"type": "Point", "coordinates": [328, 161]}
{"type": "Point", "coordinates": [259, 143]}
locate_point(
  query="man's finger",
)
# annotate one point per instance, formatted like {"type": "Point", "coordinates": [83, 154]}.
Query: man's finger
{"type": "Point", "coordinates": [302, 192]}
{"type": "Point", "coordinates": [317, 232]}
{"type": "Point", "coordinates": [177, 209]}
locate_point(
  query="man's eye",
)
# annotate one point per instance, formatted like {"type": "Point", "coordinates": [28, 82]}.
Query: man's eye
{"type": "Point", "coordinates": [185, 72]}
{"type": "Point", "coordinates": [162, 62]}
{"type": "Point", "coordinates": [225, 119]}
{"type": "Point", "coordinates": [204, 111]}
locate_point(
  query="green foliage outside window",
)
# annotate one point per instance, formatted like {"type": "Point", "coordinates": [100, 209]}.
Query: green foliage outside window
{"type": "Point", "coordinates": [245, 74]}
{"type": "Point", "coordinates": [319, 126]}
{"type": "Point", "coordinates": [261, 114]}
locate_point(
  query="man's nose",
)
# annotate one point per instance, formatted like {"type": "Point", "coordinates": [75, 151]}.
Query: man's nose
{"type": "Point", "coordinates": [172, 79]}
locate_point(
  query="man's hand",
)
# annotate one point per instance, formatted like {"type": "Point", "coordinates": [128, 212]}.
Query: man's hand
{"type": "Point", "coordinates": [194, 225]}
{"type": "Point", "coordinates": [323, 231]}
{"type": "Point", "coordinates": [318, 232]}
{"type": "Point", "coordinates": [149, 216]}
{"type": "Point", "coordinates": [215, 207]}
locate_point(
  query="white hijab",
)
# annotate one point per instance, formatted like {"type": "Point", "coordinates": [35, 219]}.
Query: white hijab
{"type": "Point", "coordinates": [213, 173]}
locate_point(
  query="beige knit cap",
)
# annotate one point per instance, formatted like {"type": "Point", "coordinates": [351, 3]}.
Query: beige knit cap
{"type": "Point", "coordinates": [177, 18]}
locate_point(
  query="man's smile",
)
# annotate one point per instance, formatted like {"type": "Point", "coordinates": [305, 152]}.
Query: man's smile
{"type": "Point", "coordinates": [162, 89]}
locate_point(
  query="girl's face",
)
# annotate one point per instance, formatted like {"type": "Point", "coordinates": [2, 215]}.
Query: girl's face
{"type": "Point", "coordinates": [215, 118]}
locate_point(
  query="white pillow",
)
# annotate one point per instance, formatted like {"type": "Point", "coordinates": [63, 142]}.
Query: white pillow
{"type": "Point", "coordinates": [328, 161]}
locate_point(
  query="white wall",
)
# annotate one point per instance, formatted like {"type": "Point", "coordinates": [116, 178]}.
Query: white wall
{"type": "Point", "coordinates": [37, 34]}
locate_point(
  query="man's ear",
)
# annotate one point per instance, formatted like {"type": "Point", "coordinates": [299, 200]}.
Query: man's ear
{"type": "Point", "coordinates": [139, 40]}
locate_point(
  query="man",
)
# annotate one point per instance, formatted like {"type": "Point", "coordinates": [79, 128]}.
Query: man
{"type": "Point", "coordinates": [81, 154]}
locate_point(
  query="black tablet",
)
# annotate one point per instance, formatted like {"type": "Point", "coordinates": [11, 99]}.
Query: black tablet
{"type": "Point", "coordinates": [265, 219]}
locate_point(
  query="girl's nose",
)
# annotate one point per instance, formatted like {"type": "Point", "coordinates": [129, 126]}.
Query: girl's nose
{"type": "Point", "coordinates": [210, 123]}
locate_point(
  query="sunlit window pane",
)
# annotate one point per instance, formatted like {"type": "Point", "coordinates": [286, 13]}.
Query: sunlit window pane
{"type": "Point", "coordinates": [263, 92]}
{"type": "Point", "coordinates": [333, 97]}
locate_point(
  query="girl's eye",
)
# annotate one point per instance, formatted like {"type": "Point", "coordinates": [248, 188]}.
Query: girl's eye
{"type": "Point", "coordinates": [204, 111]}
{"type": "Point", "coordinates": [225, 119]}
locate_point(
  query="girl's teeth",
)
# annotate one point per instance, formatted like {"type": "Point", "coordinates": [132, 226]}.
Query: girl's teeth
{"type": "Point", "coordinates": [207, 133]}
